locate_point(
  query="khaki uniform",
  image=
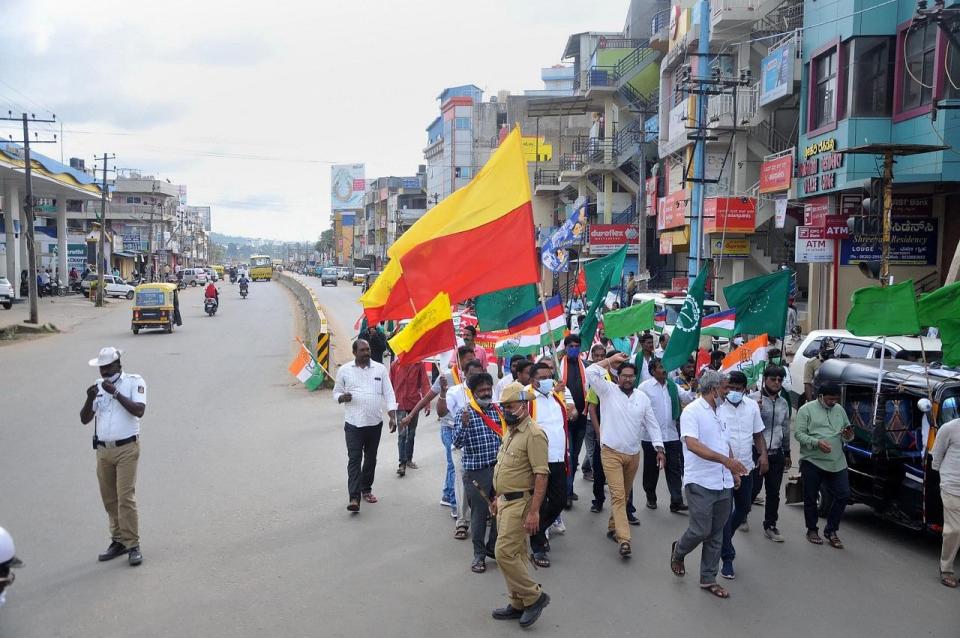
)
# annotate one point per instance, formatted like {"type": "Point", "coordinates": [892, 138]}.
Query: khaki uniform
{"type": "Point", "coordinates": [810, 369]}
{"type": "Point", "coordinates": [522, 455]}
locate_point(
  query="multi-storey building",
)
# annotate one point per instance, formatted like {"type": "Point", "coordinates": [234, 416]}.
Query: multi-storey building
{"type": "Point", "coordinates": [391, 205]}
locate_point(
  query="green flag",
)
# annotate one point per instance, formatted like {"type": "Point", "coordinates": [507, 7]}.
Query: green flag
{"type": "Point", "coordinates": [761, 304]}
{"type": "Point", "coordinates": [686, 332]}
{"type": "Point", "coordinates": [884, 310]}
{"type": "Point", "coordinates": [598, 269]}
{"type": "Point", "coordinates": [942, 304]}
{"type": "Point", "coordinates": [495, 309]}
{"type": "Point", "coordinates": [623, 323]}
{"type": "Point", "coordinates": [589, 326]}
{"type": "Point", "coordinates": [950, 340]}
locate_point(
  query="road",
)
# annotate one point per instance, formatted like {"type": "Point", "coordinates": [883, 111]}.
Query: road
{"type": "Point", "coordinates": [244, 532]}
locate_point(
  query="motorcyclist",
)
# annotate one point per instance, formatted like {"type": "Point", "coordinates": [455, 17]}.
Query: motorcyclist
{"type": "Point", "coordinates": [244, 282]}
{"type": "Point", "coordinates": [211, 292]}
{"type": "Point", "coordinates": [8, 560]}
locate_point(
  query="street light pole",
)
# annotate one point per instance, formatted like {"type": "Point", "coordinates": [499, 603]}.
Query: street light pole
{"type": "Point", "coordinates": [887, 218]}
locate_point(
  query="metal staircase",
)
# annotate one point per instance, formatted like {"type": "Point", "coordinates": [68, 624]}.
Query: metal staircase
{"type": "Point", "coordinates": [627, 216]}
{"type": "Point", "coordinates": [785, 18]}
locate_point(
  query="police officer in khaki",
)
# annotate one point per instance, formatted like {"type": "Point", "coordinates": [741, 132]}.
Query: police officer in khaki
{"type": "Point", "coordinates": [520, 483]}
{"type": "Point", "coordinates": [117, 401]}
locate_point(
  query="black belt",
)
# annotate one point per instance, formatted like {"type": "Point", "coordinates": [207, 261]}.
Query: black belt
{"type": "Point", "coordinates": [512, 496]}
{"type": "Point", "coordinates": [120, 443]}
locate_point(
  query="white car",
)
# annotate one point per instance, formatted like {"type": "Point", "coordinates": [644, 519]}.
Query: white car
{"type": "Point", "coordinates": [6, 293]}
{"type": "Point", "coordinates": [112, 286]}
{"type": "Point", "coordinates": [672, 305]}
{"type": "Point", "coordinates": [849, 346]}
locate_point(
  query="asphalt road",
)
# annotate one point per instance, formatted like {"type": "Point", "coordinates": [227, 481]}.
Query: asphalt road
{"type": "Point", "coordinates": [244, 531]}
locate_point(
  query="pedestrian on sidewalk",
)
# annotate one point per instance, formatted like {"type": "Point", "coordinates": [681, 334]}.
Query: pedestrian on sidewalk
{"type": "Point", "coordinates": [410, 384]}
{"type": "Point", "coordinates": [946, 460]}
{"type": "Point", "coordinates": [364, 388]}
{"type": "Point", "coordinates": [117, 401]}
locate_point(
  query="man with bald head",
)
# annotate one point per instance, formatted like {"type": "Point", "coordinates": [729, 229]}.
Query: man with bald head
{"type": "Point", "coordinates": [363, 387]}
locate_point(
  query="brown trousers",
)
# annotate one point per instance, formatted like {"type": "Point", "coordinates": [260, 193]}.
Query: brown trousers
{"type": "Point", "coordinates": [511, 552]}
{"type": "Point", "coordinates": [620, 470]}
{"type": "Point", "coordinates": [117, 474]}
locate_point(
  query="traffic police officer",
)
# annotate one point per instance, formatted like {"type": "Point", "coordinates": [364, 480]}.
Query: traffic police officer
{"type": "Point", "coordinates": [520, 483]}
{"type": "Point", "coordinates": [117, 401]}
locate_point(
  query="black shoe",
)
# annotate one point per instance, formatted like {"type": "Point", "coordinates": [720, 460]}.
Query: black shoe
{"type": "Point", "coordinates": [612, 535]}
{"type": "Point", "coordinates": [491, 554]}
{"type": "Point", "coordinates": [651, 504]}
{"type": "Point", "coordinates": [596, 508]}
{"type": "Point", "coordinates": [135, 557]}
{"type": "Point", "coordinates": [569, 505]}
{"type": "Point", "coordinates": [115, 549]}
{"type": "Point", "coordinates": [507, 613]}
{"type": "Point", "coordinates": [531, 613]}
{"type": "Point", "coordinates": [682, 507]}
{"type": "Point", "coordinates": [633, 520]}
{"type": "Point", "coordinates": [574, 497]}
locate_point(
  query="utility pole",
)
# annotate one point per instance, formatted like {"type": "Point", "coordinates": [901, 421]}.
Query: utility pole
{"type": "Point", "coordinates": [887, 218]}
{"type": "Point", "coordinates": [700, 150]}
{"type": "Point", "coordinates": [28, 235]}
{"type": "Point", "coordinates": [101, 252]}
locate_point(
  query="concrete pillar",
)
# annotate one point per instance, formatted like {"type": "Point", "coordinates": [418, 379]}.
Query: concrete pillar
{"type": "Point", "coordinates": [11, 218]}
{"type": "Point", "coordinates": [62, 238]}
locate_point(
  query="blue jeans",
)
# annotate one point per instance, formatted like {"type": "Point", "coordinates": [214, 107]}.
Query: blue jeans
{"type": "Point", "coordinates": [446, 435]}
{"type": "Point", "coordinates": [739, 508]}
{"type": "Point", "coordinates": [405, 438]}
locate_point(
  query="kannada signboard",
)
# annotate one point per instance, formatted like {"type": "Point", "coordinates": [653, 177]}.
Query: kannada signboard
{"type": "Point", "coordinates": [607, 238]}
{"type": "Point", "coordinates": [913, 242]}
{"type": "Point", "coordinates": [729, 214]}
{"type": "Point", "coordinates": [674, 211]}
{"type": "Point", "coordinates": [738, 247]}
{"type": "Point", "coordinates": [776, 74]}
{"type": "Point", "coordinates": [812, 246]}
{"type": "Point", "coordinates": [536, 149]}
{"type": "Point", "coordinates": [776, 175]}
{"type": "Point", "coordinates": [347, 185]}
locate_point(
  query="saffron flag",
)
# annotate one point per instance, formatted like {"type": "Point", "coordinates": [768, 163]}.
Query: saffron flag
{"type": "Point", "coordinates": [719, 324]}
{"type": "Point", "coordinates": [884, 310]}
{"type": "Point", "coordinates": [305, 368]}
{"type": "Point", "coordinates": [533, 316]}
{"type": "Point", "coordinates": [750, 359]}
{"type": "Point", "coordinates": [623, 323]}
{"type": "Point", "coordinates": [761, 303]}
{"type": "Point", "coordinates": [477, 240]}
{"type": "Point", "coordinates": [496, 309]}
{"type": "Point", "coordinates": [430, 333]}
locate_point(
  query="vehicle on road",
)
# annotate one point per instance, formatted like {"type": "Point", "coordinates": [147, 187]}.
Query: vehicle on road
{"type": "Point", "coordinates": [344, 273]}
{"type": "Point", "coordinates": [210, 306]}
{"type": "Point", "coordinates": [328, 276]}
{"type": "Point", "coordinates": [261, 267]}
{"type": "Point", "coordinates": [368, 280]}
{"type": "Point", "coordinates": [211, 274]}
{"type": "Point", "coordinates": [219, 270]}
{"type": "Point", "coordinates": [889, 458]}
{"type": "Point", "coordinates": [669, 304]}
{"type": "Point", "coordinates": [195, 276]}
{"type": "Point", "coordinates": [849, 346]}
{"type": "Point", "coordinates": [360, 276]}
{"type": "Point", "coordinates": [6, 293]}
{"type": "Point", "coordinates": [112, 286]}
{"type": "Point", "coordinates": [244, 290]}
{"type": "Point", "coordinates": [155, 306]}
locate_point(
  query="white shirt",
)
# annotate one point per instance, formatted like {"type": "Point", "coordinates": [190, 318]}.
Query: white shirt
{"type": "Point", "coordinates": [700, 421]}
{"type": "Point", "coordinates": [114, 423]}
{"type": "Point", "coordinates": [946, 457]}
{"type": "Point", "coordinates": [369, 388]}
{"type": "Point", "coordinates": [742, 422]}
{"type": "Point", "coordinates": [550, 419]}
{"type": "Point", "coordinates": [662, 406]}
{"type": "Point", "coordinates": [623, 417]}
{"type": "Point", "coordinates": [644, 371]}
{"type": "Point", "coordinates": [501, 384]}
{"type": "Point", "coordinates": [456, 401]}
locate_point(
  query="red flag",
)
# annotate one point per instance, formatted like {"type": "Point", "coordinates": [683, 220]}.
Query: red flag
{"type": "Point", "coordinates": [580, 288]}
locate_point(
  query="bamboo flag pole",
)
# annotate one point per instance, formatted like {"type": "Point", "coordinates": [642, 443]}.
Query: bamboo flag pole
{"type": "Point", "coordinates": [546, 318]}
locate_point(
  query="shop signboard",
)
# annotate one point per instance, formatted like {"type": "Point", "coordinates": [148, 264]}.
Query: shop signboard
{"type": "Point", "coordinates": [776, 74]}
{"type": "Point", "coordinates": [132, 242]}
{"type": "Point", "coordinates": [607, 238]}
{"type": "Point", "coordinates": [675, 209]}
{"type": "Point", "coordinates": [666, 244]}
{"type": "Point", "coordinates": [776, 174]}
{"type": "Point", "coordinates": [812, 246]}
{"type": "Point", "coordinates": [651, 197]}
{"type": "Point", "coordinates": [913, 242]}
{"type": "Point", "coordinates": [729, 214]}
{"type": "Point", "coordinates": [835, 227]}
{"type": "Point", "coordinates": [738, 247]}
{"type": "Point", "coordinates": [815, 211]}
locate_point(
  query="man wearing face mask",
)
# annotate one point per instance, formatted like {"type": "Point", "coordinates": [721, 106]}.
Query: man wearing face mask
{"type": "Point", "coordinates": [573, 374]}
{"type": "Point", "coordinates": [775, 412]}
{"type": "Point", "coordinates": [666, 399]}
{"type": "Point", "coordinates": [117, 401]}
{"type": "Point", "coordinates": [480, 426]}
{"type": "Point", "coordinates": [449, 406]}
{"type": "Point", "coordinates": [741, 417]}
{"type": "Point", "coordinates": [548, 408]}
{"type": "Point", "coordinates": [520, 484]}
{"type": "Point", "coordinates": [827, 348]}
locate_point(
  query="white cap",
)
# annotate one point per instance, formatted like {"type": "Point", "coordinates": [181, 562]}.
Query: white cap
{"type": "Point", "coordinates": [7, 550]}
{"type": "Point", "coordinates": [108, 354]}
{"type": "Point", "coordinates": [924, 405]}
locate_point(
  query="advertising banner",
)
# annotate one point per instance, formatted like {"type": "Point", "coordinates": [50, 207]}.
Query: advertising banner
{"type": "Point", "coordinates": [347, 184]}
{"type": "Point", "coordinates": [729, 214]}
{"type": "Point", "coordinates": [607, 238]}
{"type": "Point", "coordinates": [776, 175]}
{"type": "Point", "coordinates": [812, 246]}
{"type": "Point", "coordinates": [776, 74]}
{"type": "Point", "coordinates": [738, 247]}
{"type": "Point", "coordinates": [913, 242]}
{"type": "Point", "coordinates": [780, 211]}
{"type": "Point", "coordinates": [815, 211]}
{"type": "Point", "coordinates": [675, 209]}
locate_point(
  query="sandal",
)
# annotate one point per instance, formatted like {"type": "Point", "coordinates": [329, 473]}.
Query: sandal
{"type": "Point", "coordinates": [676, 564]}
{"type": "Point", "coordinates": [625, 549]}
{"type": "Point", "coordinates": [540, 559]}
{"type": "Point", "coordinates": [460, 534]}
{"type": "Point", "coordinates": [834, 541]}
{"type": "Point", "coordinates": [479, 566]}
{"type": "Point", "coordinates": [948, 579]}
{"type": "Point", "coordinates": [814, 537]}
{"type": "Point", "coordinates": [370, 498]}
{"type": "Point", "coordinates": [716, 590]}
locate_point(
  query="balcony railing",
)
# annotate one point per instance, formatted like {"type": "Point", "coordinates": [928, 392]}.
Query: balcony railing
{"type": "Point", "coordinates": [738, 111]}
{"type": "Point", "coordinates": [546, 177]}
{"type": "Point", "coordinates": [600, 76]}
{"type": "Point", "coordinates": [627, 216]}
{"type": "Point", "coordinates": [634, 59]}
{"type": "Point", "coordinates": [572, 162]}
{"type": "Point", "coordinates": [660, 21]}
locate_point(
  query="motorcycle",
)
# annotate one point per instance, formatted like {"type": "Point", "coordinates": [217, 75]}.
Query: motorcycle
{"type": "Point", "coordinates": [233, 278]}
{"type": "Point", "coordinates": [244, 289]}
{"type": "Point", "coordinates": [210, 306]}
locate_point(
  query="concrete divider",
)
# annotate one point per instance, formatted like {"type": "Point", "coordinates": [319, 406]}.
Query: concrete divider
{"type": "Point", "coordinates": [315, 322]}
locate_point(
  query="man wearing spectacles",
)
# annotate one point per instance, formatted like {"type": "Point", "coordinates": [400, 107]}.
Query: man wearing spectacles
{"type": "Point", "coordinates": [775, 414]}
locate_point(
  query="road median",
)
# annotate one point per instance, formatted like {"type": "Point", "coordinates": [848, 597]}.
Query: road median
{"type": "Point", "coordinates": [315, 320]}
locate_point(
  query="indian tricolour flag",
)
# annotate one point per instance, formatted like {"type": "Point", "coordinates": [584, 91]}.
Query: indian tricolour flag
{"type": "Point", "coordinates": [525, 342]}
{"type": "Point", "coordinates": [719, 324]}
{"type": "Point", "coordinates": [750, 359]}
{"type": "Point", "coordinates": [305, 368]}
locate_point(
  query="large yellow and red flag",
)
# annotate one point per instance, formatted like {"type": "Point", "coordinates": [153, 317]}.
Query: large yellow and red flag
{"type": "Point", "coordinates": [430, 333]}
{"type": "Point", "coordinates": [477, 240]}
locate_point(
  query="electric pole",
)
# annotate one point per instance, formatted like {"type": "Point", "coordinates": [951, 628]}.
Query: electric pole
{"type": "Point", "coordinates": [28, 235]}
{"type": "Point", "coordinates": [101, 253]}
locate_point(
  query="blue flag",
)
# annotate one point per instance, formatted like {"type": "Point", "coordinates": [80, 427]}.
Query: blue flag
{"type": "Point", "coordinates": [555, 255]}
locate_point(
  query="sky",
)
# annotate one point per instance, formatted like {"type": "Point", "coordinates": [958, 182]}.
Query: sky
{"type": "Point", "coordinates": [249, 103]}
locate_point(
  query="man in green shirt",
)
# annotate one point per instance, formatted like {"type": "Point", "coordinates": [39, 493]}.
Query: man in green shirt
{"type": "Point", "coordinates": [821, 429]}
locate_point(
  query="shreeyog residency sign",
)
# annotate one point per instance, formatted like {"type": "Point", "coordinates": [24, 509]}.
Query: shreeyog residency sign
{"type": "Point", "coordinates": [913, 242]}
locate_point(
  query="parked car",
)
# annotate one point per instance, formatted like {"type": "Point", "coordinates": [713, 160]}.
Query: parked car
{"type": "Point", "coordinates": [344, 273]}
{"type": "Point", "coordinates": [112, 286]}
{"type": "Point", "coordinates": [360, 276]}
{"type": "Point", "coordinates": [328, 276]}
{"type": "Point", "coordinates": [194, 276]}
{"type": "Point", "coordinates": [211, 274]}
{"type": "Point", "coordinates": [849, 346]}
{"type": "Point", "coordinates": [6, 293]}
{"type": "Point", "coordinates": [671, 306]}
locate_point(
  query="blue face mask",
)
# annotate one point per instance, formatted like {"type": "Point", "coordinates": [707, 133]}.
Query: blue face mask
{"type": "Point", "coordinates": [735, 397]}
{"type": "Point", "coordinates": [545, 386]}
{"type": "Point", "coordinates": [573, 351]}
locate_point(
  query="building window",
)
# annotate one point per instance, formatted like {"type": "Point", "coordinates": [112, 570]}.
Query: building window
{"type": "Point", "coordinates": [920, 55]}
{"type": "Point", "coordinates": [952, 90]}
{"type": "Point", "coordinates": [463, 172]}
{"type": "Point", "coordinates": [462, 123]}
{"type": "Point", "coordinates": [825, 89]}
{"type": "Point", "coordinates": [133, 200]}
{"type": "Point", "coordinates": [869, 76]}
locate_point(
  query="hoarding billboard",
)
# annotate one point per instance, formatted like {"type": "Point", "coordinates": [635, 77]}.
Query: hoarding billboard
{"type": "Point", "coordinates": [347, 184]}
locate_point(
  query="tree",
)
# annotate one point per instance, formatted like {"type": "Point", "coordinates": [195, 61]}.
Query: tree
{"type": "Point", "coordinates": [325, 245]}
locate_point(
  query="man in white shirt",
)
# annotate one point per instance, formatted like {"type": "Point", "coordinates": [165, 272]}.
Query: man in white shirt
{"type": "Point", "coordinates": [665, 398]}
{"type": "Point", "coordinates": [363, 386]}
{"type": "Point", "coordinates": [741, 417]}
{"type": "Point", "coordinates": [117, 401]}
{"type": "Point", "coordinates": [710, 472]}
{"type": "Point", "coordinates": [507, 378]}
{"type": "Point", "coordinates": [946, 460]}
{"type": "Point", "coordinates": [624, 414]}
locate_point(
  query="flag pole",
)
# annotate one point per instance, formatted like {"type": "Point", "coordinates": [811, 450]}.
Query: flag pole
{"type": "Point", "coordinates": [926, 369]}
{"type": "Point", "coordinates": [546, 318]}
{"type": "Point", "coordinates": [302, 345]}
{"type": "Point", "coordinates": [876, 396]}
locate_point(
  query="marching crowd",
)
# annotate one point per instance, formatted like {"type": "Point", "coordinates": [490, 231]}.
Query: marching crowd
{"type": "Point", "coordinates": [514, 444]}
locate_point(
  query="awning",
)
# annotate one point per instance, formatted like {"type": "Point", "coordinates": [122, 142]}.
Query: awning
{"type": "Point", "coordinates": [119, 253]}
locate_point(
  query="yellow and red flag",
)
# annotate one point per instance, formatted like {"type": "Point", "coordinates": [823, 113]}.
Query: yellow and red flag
{"type": "Point", "coordinates": [477, 240]}
{"type": "Point", "coordinates": [429, 333]}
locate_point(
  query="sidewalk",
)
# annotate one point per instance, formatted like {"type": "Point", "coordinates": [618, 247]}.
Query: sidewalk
{"type": "Point", "coordinates": [65, 313]}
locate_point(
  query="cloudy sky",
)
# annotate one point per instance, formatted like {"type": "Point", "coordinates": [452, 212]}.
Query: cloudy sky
{"type": "Point", "coordinates": [248, 103]}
